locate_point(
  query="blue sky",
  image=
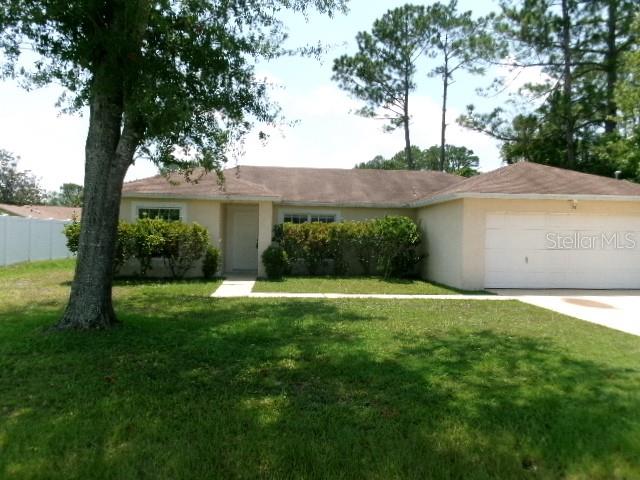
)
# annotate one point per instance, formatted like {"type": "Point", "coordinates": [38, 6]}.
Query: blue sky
{"type": "Point", "coordinates": [326, 133]}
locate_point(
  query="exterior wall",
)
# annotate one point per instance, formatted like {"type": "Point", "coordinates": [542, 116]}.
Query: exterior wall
{"type": "Point", "coordinates": [474, 222]}
{"type": "Point", "coordinates": [442, 230]}
{"type": "Point", "coordinates": [346, 213]}
{"type": "Point", "coordinates": [265, 227]}
{"type": "Point", "coordinates": [213, 215]}
{"type": "Point", "coordinates": [207, 213]}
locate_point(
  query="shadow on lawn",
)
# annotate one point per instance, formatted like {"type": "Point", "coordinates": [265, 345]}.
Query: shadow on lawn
{"type": "Point", "coordinates": [298, 389]}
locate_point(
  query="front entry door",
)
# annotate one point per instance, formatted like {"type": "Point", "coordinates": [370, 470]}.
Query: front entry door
{"type": "Point", "coordinates": [243, 241]}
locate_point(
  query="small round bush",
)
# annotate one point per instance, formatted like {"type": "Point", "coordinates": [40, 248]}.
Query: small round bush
{"type": "Point", "coordinates": [276, 261]}
{"type": "Point", "coordinates": [72, 232]}
{"type": "Point", "coordinates": [210, 262]}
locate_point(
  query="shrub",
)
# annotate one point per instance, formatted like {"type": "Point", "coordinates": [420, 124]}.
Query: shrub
{"type": "Point", "coordinates": [148, 241]}
{"type": "Point", "coordinates": [178, 244]}
{"type": "Point", "coordinates": [124, 242]}
{"type": "Point", "coordinates": [72, 232]}
{"type": "Point", "coordinates": [182, 246]}
{"type": "Point", "coordinates": [316, 246]}
{"type": "Point", "coordinates": [390, 244]}
{"type": "Point", "coordinates": [396, 239]}
{"type": "Point", "coordinates": [210, 263]}
{"type": "Point", "coordinates": [125, 245]}
{"type": "Point", "coordinates": [363, 245]}
{"type": "Point", "coordinates": [276, 261]}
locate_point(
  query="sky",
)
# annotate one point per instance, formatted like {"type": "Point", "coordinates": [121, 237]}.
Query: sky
{"type": "Point", "coordinates": [325, 131]}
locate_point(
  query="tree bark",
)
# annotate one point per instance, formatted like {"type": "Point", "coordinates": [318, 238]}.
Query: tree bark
{"type": "Point", "coordinates": [407, 139]}
{"type": "Point", "coordinates": [611, 65]}
{"type": "Point", "coordinates": [109, 151]}
{"type": "Point", "coordinates": [567, 85]}
{"type": "Point", "coordinates": [443, 124]}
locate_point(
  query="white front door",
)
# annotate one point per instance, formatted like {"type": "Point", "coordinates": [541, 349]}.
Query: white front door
{"type": "Point", "coordinates": [242, 238]}
{"type": "Point", "coordinates": [572, 250]}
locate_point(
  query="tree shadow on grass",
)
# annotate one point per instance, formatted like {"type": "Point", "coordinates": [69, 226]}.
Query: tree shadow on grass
{"type": "Point", "coordinates": [301, 389]}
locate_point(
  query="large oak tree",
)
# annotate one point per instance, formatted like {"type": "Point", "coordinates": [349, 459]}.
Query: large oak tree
{"type": "Point", "coordinates": [171, 80]}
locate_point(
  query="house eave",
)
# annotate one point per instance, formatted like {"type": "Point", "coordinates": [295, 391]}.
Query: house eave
{"type": "Point", "coordinates": [293, 203]}
{"type": "Point", "coordinates": [523, 196]}
{"type": "Point", "coordinates": [226, 198]}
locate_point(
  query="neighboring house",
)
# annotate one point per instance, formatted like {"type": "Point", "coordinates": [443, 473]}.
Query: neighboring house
{"type": "Point", "coordinates": [521, 226]}
{"type": "Point", "coordinates": [42, 212]}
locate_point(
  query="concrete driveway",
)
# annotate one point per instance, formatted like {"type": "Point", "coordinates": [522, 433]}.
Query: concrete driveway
{"type": "Point", "coordinates": [617, 309]}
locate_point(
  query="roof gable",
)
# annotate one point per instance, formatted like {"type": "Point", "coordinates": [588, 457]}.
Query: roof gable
{"type": "Point", "coordinates": [42, 211]}
{"type": "Point", "coordinates": [535, 179]}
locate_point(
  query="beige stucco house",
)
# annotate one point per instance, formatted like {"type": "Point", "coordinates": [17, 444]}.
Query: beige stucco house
{"type": "Point", "coordinates": [521, 226]}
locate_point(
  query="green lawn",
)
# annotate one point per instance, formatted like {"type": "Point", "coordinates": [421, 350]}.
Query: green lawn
{"type": "Point", "coordinates": [196, 387]}
{"type": "Point", "coordinates": [353, 285]}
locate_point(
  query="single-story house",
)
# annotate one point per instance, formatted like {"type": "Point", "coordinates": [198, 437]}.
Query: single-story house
{"type": "Point", "coordinates": [41, 212]}
{"type": "Point", "coordinates": [521, 226]}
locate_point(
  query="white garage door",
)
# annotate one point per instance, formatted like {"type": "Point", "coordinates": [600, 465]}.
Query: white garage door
{"type": "Point", "coordinates": [562, 251]}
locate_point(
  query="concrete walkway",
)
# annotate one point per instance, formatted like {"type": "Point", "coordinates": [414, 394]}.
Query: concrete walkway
{"type": "Point", "coordinates": [241, 286]}
{"type": "Point", "coordinates": [236, 286]}
{"type": "Point", "coordinates": [385, 296]}
{"type": "Point", "coordinates": [617, 309]}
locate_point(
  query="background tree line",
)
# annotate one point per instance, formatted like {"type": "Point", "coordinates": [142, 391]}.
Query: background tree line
{"type": "Point", "coordinates": [21, 187]}
{"type": "Point", "coordinates": [582, 114]}
{"type": "Point", "coordinates": [459, 160]}
{"type": "Point", "coordinates": [574, 116]}
{"type": "Point", "coordinates": [382, 73]}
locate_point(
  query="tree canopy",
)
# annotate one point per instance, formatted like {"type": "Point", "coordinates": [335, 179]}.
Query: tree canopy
{"type": "Point", "coordinates": [170, 80]}
{"type": "Point", "coordinates": [626, 147]}
{"type": "Point", "coordinates": [17, 187]}
{"type": "Point", "coordinates": [381, 73]}
{"type": "Point", "coordinates": [570, 118]}
{"type": "Point", "coordinates": [460, 160]}
{"type": "Point", "coordinates": [69, 195]}
{"type": "Point", "coordinates": [458, 42]}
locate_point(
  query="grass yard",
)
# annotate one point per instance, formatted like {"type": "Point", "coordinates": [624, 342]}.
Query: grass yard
{"type": "Point", "coordinates": [196, 387]}
{"type": "Point", "coordinates": [353, 285]}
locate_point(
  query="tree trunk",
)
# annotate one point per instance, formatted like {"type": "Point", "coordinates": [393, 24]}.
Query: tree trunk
{"type": "Point", "coordinates": [108, 154]}
{"type": "Point", "coordinates": [567, 85]}
{"type": "Point", "coordinates": [407, 139]}
{"type": "Point", "coordinates": [611, 65]}
{"type": "Point", "coordinates": [443, 124]}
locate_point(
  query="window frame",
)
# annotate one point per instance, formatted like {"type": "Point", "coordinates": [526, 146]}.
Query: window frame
{"type": "Point", "coordinates": [309, 214]}
{"type": "Point", "coordinates": [137, 206]}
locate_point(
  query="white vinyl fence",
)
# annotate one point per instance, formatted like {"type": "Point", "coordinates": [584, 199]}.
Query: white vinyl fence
{"type": "Point", "coordinates": [29, 239]}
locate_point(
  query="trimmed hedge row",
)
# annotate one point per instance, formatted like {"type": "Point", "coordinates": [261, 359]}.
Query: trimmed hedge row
{"type": "Point", "coordinates": [387, 245]}
{"type": "Point", "coordinates": [178, 244]}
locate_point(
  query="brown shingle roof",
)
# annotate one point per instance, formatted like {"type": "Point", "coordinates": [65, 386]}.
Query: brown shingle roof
{"type": "Point", "coordinates": [534, 178]}
{"type": "Point", "coordinates": [201, 185]}
{"type": "Point", "coordinates": [42, 211]}
{"type": "Point", "coordinates": [329, 186]}
{"type": "Point", "coordinates": [305, 185]}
